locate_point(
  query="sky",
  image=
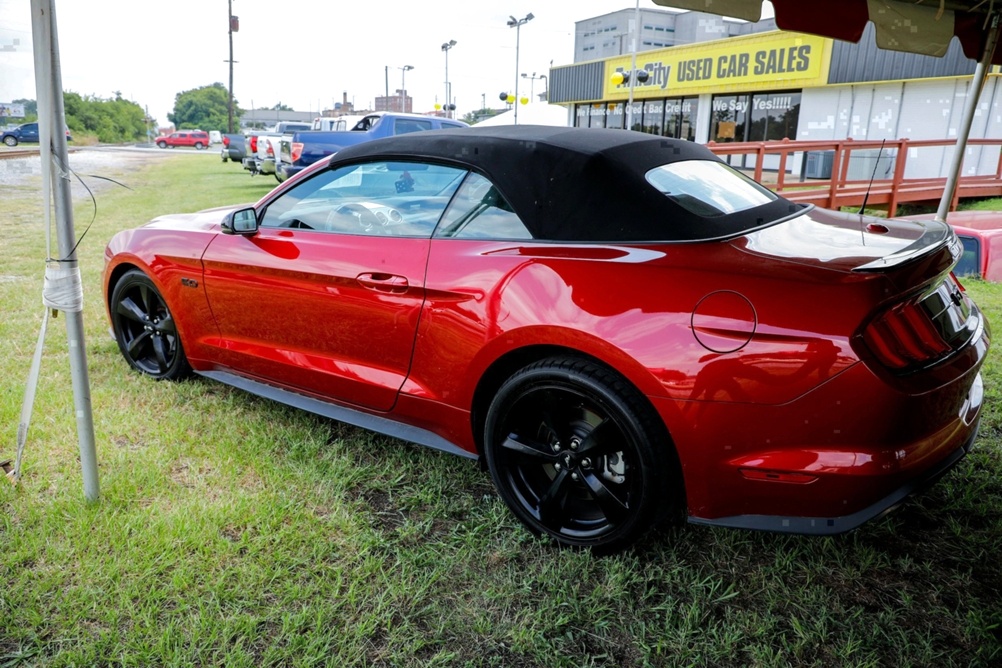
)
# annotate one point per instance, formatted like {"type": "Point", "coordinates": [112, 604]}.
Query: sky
{"type": "Point", "coordinates": [304, 54]}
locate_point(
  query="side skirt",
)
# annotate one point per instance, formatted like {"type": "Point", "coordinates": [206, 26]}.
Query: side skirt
{"type": "Point", "coordinates": [340, 413]}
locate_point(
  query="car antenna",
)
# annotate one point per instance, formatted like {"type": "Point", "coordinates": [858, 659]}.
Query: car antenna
{"type": "Point", "coordinates": [876, 163]}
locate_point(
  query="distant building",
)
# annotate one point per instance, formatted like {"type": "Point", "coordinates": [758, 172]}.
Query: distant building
{"type": "Point", "coordinates": [610, 34]}
{"type": "Point", "coordinates": [401, 101]}
{"type": "Point", "coordinates": [751, 82]}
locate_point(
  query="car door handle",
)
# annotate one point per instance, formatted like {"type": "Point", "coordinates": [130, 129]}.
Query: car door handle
{"type": "Point", "coordinates": [383, 282]}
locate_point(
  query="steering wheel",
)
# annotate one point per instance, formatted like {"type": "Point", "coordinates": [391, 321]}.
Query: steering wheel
{"type": "Point", "coordinates": [365, 218]}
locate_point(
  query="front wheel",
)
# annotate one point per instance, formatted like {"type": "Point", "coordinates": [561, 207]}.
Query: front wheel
{"type": "Point", "coordinates": [162, 144]}
{"type": "Point", "coordinates": [578, 454]}
{"type": "Point", "coordinates": [10, 140]}
{"type": "Point", "coordinates": [145, 329]}
{"type": "Point", "coordinates": [199, 146]}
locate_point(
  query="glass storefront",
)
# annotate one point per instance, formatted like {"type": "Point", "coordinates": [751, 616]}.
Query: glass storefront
{"type": "Point", "coordinates": [654, 117]}
{"type": "Point", "coordinates": [673, 117]}
{"type": "Point", "coordinates": [680, 118]}
{"type": "Point", "coordinates": [755, 116]}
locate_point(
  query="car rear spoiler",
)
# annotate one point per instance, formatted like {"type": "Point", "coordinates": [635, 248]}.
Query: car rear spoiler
{"type": "Point", "coordinates": [937, 235]}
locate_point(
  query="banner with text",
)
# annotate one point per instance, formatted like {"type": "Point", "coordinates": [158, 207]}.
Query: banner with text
{"type": "Point", "coordinates": [754, 62]}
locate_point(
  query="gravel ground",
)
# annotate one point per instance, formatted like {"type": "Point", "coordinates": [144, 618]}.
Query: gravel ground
{"type": "Point", "coordinates": [22, 176]}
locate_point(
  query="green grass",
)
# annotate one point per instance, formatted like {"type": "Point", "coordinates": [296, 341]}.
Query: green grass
{"type": "Point", "coordinates": [232, 531]}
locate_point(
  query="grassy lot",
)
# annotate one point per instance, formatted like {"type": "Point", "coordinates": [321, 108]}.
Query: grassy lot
{"type": "Point", "coordinates": [233, 531]}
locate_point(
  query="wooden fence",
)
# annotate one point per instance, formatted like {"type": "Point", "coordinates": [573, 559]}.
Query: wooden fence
{"type": "Point", "coordinates": [826, 173]}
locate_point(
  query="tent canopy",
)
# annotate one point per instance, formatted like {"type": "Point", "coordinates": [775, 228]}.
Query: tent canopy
{"type": "Point", "coordinates": [530, 114]}
{"type": "Point", "coordinates": [916, 26]}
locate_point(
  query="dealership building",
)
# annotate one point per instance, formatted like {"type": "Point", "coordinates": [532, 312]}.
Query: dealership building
{"type": "Point", "coordinates": [773, 85]}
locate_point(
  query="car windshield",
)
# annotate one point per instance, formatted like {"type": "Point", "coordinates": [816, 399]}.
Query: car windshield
{"type": "Point", "coordinates": [708, 188]}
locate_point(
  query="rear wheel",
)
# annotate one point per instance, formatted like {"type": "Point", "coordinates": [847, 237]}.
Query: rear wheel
{"type": "Point", "coordinates": [145, 329]}
{"type": "Point", "coordinates": [199, 146]}
{"type": "Point", "coordinates": [578, 454]}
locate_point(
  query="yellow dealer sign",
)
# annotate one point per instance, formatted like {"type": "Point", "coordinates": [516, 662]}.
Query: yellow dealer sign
{"type": "Point", "coordinates": [757, 62]}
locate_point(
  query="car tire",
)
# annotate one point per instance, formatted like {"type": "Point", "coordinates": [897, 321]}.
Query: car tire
{"type": "Point", "coordinates": [10, 140]}
{"type": "Point", "coordinates": [145, 329]}
{"type": "Point", "coordinates": [199, 146]}
{"type": "Point", "coordinates": [578, 454]}
{"type": "Point", "coordinates": [162, 144]}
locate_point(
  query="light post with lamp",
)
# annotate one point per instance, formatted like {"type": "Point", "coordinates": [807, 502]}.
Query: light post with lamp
{"type": "Point", "coordinates": [532, 84]}
{"type": "Point", "coordinates": [517, 25]}
{"type": "Point", "coordinates": [448, 91]}
{"type": "Point", "coordinates": [403, 87]}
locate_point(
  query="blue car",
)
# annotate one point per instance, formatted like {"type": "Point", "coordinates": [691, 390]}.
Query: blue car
{"type": "Point", "coordinates": [27, 132]}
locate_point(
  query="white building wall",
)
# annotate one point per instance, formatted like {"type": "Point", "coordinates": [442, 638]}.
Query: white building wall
{"type": "Point", "coordinates": [931, 109]}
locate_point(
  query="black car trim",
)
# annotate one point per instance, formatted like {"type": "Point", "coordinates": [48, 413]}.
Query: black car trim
{"type": "Point", "coordinates": [338, 412]}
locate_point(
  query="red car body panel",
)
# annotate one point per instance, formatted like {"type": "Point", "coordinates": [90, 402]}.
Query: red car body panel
{"type": "Point", "coordinates": [750, 349]}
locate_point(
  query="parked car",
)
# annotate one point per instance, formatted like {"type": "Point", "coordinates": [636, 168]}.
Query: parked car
{"type": "Point", "coordinates": [264, 146]}
{"type": "Point", "coordinates": [621, 327]}
{"type": "Point", "coordinates": [302, 149]}
{"type": "Point", "coordinates": [197, 138]}
{"type": "Point", "coordinates": [981, 234]}
{"type": "Point", "coordinates": [25, 133]}
{"type": "Point", "coordinates": [234, 148]}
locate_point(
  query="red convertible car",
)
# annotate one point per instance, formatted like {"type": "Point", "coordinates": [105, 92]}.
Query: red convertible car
{"type": "Point", "coordinates": [620, 326]}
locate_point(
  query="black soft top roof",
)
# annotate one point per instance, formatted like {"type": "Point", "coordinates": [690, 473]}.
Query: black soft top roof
{"type": "Point", "coordinates": [576, 184]}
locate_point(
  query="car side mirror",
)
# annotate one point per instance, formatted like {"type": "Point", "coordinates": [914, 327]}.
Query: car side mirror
{"type": "Point", "coordinates": [242, 221]}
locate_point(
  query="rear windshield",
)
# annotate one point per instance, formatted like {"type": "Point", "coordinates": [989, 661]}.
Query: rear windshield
{"type": "Point", "coordinates": [708, 189]}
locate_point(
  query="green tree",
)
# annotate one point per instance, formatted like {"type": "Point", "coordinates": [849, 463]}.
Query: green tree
{"type": "Point", "coordinates": [111, 120]}
{"type": "Point", "coordinates": [203, 108]}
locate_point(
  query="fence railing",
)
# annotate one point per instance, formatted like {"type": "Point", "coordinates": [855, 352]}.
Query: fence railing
{"type": "Point", "coordinates": [885, 174]}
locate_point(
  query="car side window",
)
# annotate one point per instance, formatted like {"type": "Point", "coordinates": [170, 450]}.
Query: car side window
{"type": "Point", "coordinates": [406, 125]}
{"type": "Point", "coordinates": [479, 211]}
{"type": "Point", "coordinates": [378, 198]}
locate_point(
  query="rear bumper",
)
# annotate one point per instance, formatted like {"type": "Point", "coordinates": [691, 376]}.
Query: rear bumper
{"type": "Point", "coordinates": [287, 171]}
{"type": "Point", "coordinates": [827, 526]}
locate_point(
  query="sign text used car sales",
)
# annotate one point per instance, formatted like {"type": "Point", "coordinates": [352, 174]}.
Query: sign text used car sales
{"type": "Point", "coordinates": [755, 62]}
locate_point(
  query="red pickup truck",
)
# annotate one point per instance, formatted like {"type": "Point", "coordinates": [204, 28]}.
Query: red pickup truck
{"type": "Point", "coordinates": [197, 138]}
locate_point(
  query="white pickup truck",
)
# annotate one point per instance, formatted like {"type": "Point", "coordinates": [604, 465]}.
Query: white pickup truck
{"type": "Point", "coordinates": [263, 147]}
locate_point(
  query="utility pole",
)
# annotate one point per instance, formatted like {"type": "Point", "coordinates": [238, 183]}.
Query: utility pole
{"type": "Point", "coordinates": [234, 27]}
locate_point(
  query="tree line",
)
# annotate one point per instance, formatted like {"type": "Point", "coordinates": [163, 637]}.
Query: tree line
{"type": "Point", "coordinates": [117, 120]}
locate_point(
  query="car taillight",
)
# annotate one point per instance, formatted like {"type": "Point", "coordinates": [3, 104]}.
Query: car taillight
{"type": "Point", "coordinates": [253, 144]}
{"type": "Point", "coordinates": [903, 337]}
{"type": "Point", "coordinates": [271, 150]}
{"type": "Point", "coordinates": [226, 142]}
{"type": "Point", "coordinates": [297, 150]}
{"type": "Point", "coordinates": [924, 329]}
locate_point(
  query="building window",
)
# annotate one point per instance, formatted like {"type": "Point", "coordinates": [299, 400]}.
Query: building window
{"type": "Point", "coordinates": [615, 115]}
{"type": "Point", "coordinates": [755, 117]}
{"type": "Point", "coordinates": [653, 119]}
{"type": "Point", "coordinates": [680, 118]}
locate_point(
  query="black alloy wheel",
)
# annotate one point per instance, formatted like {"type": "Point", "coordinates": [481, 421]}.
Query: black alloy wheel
{"type": "Point", "coordinates": [578, 454]}
{"type": "Point", "coordinates": [145, 329]}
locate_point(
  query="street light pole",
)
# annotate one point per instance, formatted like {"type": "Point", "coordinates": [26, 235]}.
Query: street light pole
{"type": "Point", "coordinates": [532, 84]}
{"type": "Point", "coordinates": [448, 91]}
{"type": "Point", "coordinates": [403, 87]}
{"type": "Point", "coordinates": [517, 25]}
{"type": "Point", "coordinates": [229, 105]}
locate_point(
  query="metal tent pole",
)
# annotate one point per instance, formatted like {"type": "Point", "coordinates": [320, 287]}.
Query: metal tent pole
{"type": "Point", "coordinates": [970, 107]}
{"type": "Point", "coordinates": [49, 88]}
